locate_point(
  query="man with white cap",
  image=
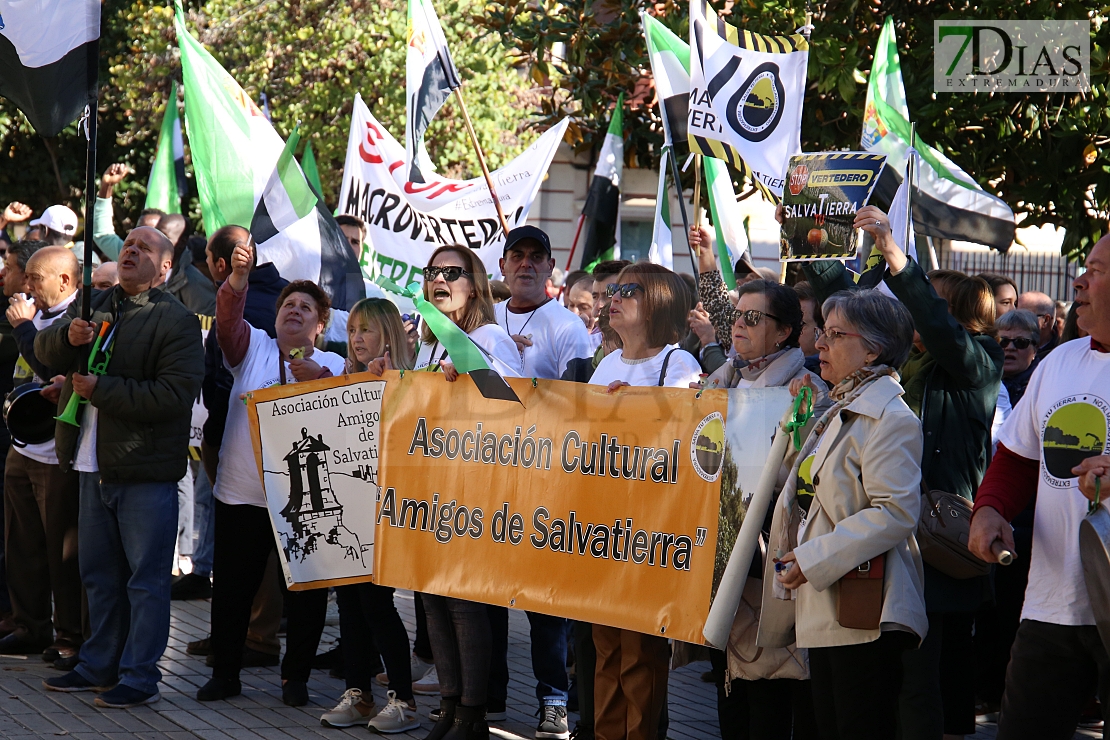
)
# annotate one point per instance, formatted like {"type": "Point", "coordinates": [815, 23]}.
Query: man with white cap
{"type": "Point", "coordinates": [60, 223]}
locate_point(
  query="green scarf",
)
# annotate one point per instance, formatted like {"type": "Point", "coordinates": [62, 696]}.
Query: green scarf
{"type": "Point", "coordinates": [915, 374]}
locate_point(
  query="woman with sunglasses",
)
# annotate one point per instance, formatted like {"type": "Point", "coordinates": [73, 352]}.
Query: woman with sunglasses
{"type": "Point", "coordinates": [648, 308]}
{"type": "Point", "coordinates": [766, 700]}
{"type": "Point", "coordinates": [455, 282]}
{"type": "Point", "coordinates": [951, 381]}
{"type": "Point", "coordinates": [850, 506]}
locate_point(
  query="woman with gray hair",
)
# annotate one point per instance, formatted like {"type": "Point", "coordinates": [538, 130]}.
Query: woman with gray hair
{"type": "Point", "coordinates": [845, 557]}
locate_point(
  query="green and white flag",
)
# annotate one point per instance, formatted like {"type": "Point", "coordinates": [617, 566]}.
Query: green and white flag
{"type": "Point", "coordinates": [430, 76]}
{"type": "Point", "coordinates": [603, 200]}
{"type": "Point", "coordinates": [660, 252]}
{"type": "Point", "coordinates": [167, 184]}
{"type": "Point", "coordinates": [670, 67]}
{"type": "Point", "coordinates": [732, 240]}
{"type": "Point", "coordinates": [947, 202]}
{"type": "Point", "coordinates": [311, 171]}
{"type": "Point", "coordinates": [236, 153]}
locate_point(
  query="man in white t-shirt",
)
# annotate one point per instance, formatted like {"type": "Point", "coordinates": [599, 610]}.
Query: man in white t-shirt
{"type": "Point", "coordinates": [1053, 434]}
{"type": "Point", "coordinates": [548, 336]}
{"type": "Point", "coordinates": [40, 499]}
{"type": "Point", "coordinates": [547, 333]}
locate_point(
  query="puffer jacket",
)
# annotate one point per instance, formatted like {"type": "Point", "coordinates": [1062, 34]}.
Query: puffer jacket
{"type": "Point", "coordinates": [145, 399]}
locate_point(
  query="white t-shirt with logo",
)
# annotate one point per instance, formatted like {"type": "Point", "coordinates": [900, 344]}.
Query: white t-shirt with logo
{"type": "Point", "coordinates": [502, 354]}
{"type": "Point", "coordinates": [558, 336]}
{"type": "Point", "coordinates": [44, 452]}
{"type": "Point", "coordinates": [237, 480]}
{"type": "Point", "coordinates": [1063, 418]}
{"type": "Point", "coordinates": [682, 369]}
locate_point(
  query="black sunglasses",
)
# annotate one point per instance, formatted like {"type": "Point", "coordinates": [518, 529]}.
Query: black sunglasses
{"type": "Point", "coordinates": [450, 274]}
{"type": "Point", "coordinates": [751, 317]}
{"type": "Point", "coordinates": [627, 290]}
{"type": "Point", "coordinates": [1019, 342]}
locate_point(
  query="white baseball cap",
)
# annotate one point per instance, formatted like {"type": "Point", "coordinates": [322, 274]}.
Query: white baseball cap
{"type": "Point", "coordinates": [58, 218]}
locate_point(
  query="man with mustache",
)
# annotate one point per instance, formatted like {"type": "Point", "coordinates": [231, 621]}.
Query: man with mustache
{"type": "Point", "coordinates": [130, 450]}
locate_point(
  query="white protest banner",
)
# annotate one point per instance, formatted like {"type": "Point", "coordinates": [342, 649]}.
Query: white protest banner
{"type": "Point", "coordinates": [316, 445]}
{"type": "Point", "coordinates": [407, 221]}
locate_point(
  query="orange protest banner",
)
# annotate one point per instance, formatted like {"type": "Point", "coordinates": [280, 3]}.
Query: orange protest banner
{"type": "Point", "coordinates": [574, 502]}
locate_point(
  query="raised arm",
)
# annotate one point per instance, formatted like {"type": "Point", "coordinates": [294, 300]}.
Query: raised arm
{"type": "Point", "coordinates": [232, 330]}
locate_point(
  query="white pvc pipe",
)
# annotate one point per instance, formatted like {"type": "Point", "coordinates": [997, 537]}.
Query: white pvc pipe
{"type": "Point", "coordinates": [723, 610]}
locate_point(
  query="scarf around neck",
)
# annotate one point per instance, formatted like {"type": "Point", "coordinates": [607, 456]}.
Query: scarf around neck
{"type": "Point", "coordinates": [843, 394]}
{"type": "Point", "coordinates": [751, 370]}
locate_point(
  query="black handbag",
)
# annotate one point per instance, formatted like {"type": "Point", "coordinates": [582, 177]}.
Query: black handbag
{"type": "Point", "coordinates": [942, 535]}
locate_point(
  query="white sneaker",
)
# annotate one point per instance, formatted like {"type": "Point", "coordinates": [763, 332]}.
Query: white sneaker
{"type": "Point", "coordinates": [397, 716]}
{"type": "Point", "coordinates": [418, 668]}
{"type": "Point", "coordinates": [428, 685]}
{"type": "Point", "coordinates": [346, 712]}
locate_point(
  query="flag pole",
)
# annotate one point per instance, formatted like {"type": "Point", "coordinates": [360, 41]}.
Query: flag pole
{"type": "Point", "coordinates": [481, 158]}
{"type": "Point", "coordinates": [92, 62]}
{"type": "Point", "coordinates": [697, 191]}
{"type": "Point", "coordinates": [574, 244]}
{"type": "Point", "coordinates": [685, 218]}
{"type": "Point", "coordinates": [911, 167]}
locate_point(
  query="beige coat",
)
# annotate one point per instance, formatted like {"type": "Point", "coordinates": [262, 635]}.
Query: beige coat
{"type": "Point", "coordinates": [867, 501]}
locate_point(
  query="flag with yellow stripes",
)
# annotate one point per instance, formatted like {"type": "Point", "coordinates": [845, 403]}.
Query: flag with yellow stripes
{"type": "Point", "coordinates": [746, 94]}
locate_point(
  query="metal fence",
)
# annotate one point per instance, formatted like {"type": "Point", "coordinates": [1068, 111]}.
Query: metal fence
{"type": "Point", "coordinates": [1046, 272]}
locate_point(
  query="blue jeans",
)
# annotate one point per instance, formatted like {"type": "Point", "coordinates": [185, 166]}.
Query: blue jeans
{"type": "Point", "coordinates": [460, 636]}
{"type": "Point", "coordinates": [204, 520]}
{"type": "Point", "coordinates": [549, 658]}
{"type": "Point", "coordinates": [126, 537]}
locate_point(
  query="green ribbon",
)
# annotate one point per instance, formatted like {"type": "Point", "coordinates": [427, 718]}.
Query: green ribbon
{"type": "Point", "coordinates": [799, 417]}
{"type": "Point", "coordinates": [465, 355]}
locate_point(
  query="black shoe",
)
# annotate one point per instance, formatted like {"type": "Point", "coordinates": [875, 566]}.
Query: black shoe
{"type": "Point", "coordinates": [17, 644]}
{"type": "Point", "coordinates": [294, 693]}
{"type": "Point", "coordinates": [67, 664]}
{"type": "Point", "coordinates": [582, 732]}
{"type": "Point", "coordinates": [199, 647]}
{"type": "Point", "coordinates": [191, 586]}
{"type": "Point", "coordinates": [60, 649]}
{"type": "Point", "coordinates": [445, 720]}
{"type": "Point", "coordinates": [470, 724]}
{"type": "Point", "coordinates": [553, 723]}
{"type": "Point", "coordinates": [219, 688]}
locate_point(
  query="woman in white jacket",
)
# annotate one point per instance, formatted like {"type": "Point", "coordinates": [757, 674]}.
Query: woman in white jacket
{"type": "Point", "coordinates": [843, 531]}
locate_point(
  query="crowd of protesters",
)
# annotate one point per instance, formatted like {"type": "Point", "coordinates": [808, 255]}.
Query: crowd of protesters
{"type": "Point", "coordinates": [922, 381]}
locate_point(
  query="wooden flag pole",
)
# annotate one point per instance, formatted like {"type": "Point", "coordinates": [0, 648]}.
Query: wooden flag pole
{"type": "Point", "coordinates": [481, 159]}
{"type": "Point", "coordinates": [697, 193]}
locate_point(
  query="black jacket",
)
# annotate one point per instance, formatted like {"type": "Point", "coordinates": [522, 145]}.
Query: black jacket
{"type": "Point", "coordinates": [145, 399]}
{"type": "Point", "coordinates": [189, 285]}
{"type": "Point", "coordinates": [264, 288]}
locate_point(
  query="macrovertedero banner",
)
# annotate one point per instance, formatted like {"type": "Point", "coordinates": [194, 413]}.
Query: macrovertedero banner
{"type": "Point", "coordinates": [406, 221]}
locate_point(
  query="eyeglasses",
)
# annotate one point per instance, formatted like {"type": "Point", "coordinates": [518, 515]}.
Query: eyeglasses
{"type": "Point", "coordinates": [627, 290]}
{"type": "Point", "coordinates": [751, 317]}
{"type": "Point", "coordinates": [450, 274]}
{"type": "Point", "coordinates": [832, 335]}
{"type": "Point", "coordinates": [1019, 342]}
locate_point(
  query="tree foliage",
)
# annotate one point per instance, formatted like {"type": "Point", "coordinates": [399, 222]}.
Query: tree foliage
{"type": "Point", "coordinates": [309, 57]}
{"type": "Point", "coordinates": [1045, 154]}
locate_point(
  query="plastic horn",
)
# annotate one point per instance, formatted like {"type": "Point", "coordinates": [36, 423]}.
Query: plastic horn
{"type": "Point", "coordinates": [1001, 554]}
{"type": "Point", "coordinates": [69, 415]}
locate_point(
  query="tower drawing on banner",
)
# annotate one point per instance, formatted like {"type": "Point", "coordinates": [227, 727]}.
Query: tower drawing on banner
{"type": "Point", "coordinates": [319, 460]}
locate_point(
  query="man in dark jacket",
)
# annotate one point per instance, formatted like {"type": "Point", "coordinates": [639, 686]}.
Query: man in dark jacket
{"type": "Point", "coordinates": [130, 450]}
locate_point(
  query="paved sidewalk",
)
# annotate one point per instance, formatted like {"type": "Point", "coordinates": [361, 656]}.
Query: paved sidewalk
{"type": "Point", "coordinates": [27, 711]}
